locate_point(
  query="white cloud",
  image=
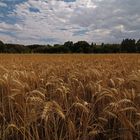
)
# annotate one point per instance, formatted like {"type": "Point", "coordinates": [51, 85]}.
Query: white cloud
{"type": "Point", "coordinates": [59, 21]}
{"type": "Point", "coordinates": [55, 20]}
{"type": "Point", "coordinates": [9, 27]}
{"type": "Point", "coordinates": [3, 4]}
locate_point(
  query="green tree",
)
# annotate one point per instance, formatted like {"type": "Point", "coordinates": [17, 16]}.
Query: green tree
{"type": "Point", "coordinates": [68, 46]}
{"type": "Point", "coordinates": [138, 45]}
{"type": "Point", "coordinates": [81, 47]}
{"type": "Point", "coordinates": [2, 47]}
{"type": "Point", "coordinates": [128, 45]}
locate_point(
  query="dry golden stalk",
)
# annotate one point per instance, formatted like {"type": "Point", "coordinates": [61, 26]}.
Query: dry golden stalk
{"type": "Point", "coordinates": [69, 97]}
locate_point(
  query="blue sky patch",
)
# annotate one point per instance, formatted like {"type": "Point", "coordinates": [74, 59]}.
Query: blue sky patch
{"type": "Point", "coordinates": [33, 9]}
{"type": "Point", "coordinates": [69, 0]}
{"type": "Point", "coordinates": [7, 12]}
{"type": "Point", "coordinates": [80, 32]}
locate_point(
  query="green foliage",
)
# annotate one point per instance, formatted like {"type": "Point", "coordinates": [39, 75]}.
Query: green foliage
{"type": "Point", "coordinates": [127, 46]}
{"type": "Point", "coordinates": [16, 48]}
{"type": "Point", "coordinates": [2, 46]}
{"type": "Point", "coordinates": [138, 46]}
{"type": "Point", "coordinates": [81, 47]}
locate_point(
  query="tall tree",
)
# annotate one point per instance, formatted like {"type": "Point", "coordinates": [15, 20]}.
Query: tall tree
{"type": "Point", "coordinates": [128, 45]}
{"type": "Point", "coordinates": [68, 46]}
{"type": "Point", "coordinates": [82, 47]}
{"type": "Point", "coordinates": [2, 47]}
{"type": "Point", "coordinates": [138, 45]}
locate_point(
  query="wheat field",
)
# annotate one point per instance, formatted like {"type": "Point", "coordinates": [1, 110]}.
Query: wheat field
{"type": "Point", "coordinates": [70, 97]}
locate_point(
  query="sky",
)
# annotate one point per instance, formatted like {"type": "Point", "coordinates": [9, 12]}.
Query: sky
{"type": "Point", "coordinates": [57, 21]}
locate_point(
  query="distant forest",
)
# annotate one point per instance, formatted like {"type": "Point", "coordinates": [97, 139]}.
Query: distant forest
{"type": "Point", "coordinates": [126, 46]}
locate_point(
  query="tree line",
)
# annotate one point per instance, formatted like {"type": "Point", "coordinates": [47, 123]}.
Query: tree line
{"type": "Point", "coordinates": [126, 46]}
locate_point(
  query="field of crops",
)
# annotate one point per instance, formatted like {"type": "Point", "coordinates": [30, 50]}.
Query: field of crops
{"type": "Point", "coordinates": [70, 97]}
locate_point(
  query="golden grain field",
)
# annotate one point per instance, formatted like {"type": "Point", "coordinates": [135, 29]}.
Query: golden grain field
{"type": "Point", "coordinates": [70, 97]}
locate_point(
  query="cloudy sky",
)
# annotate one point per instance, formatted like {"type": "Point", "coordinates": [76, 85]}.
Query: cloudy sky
{"type": "Point", "coordinates": [56, 21]}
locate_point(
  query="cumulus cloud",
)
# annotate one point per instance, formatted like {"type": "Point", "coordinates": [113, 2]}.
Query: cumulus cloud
{"type": "Point", "coordinates": [3, 4]}
{"type": "Point", "coordinates": [56, 21]}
